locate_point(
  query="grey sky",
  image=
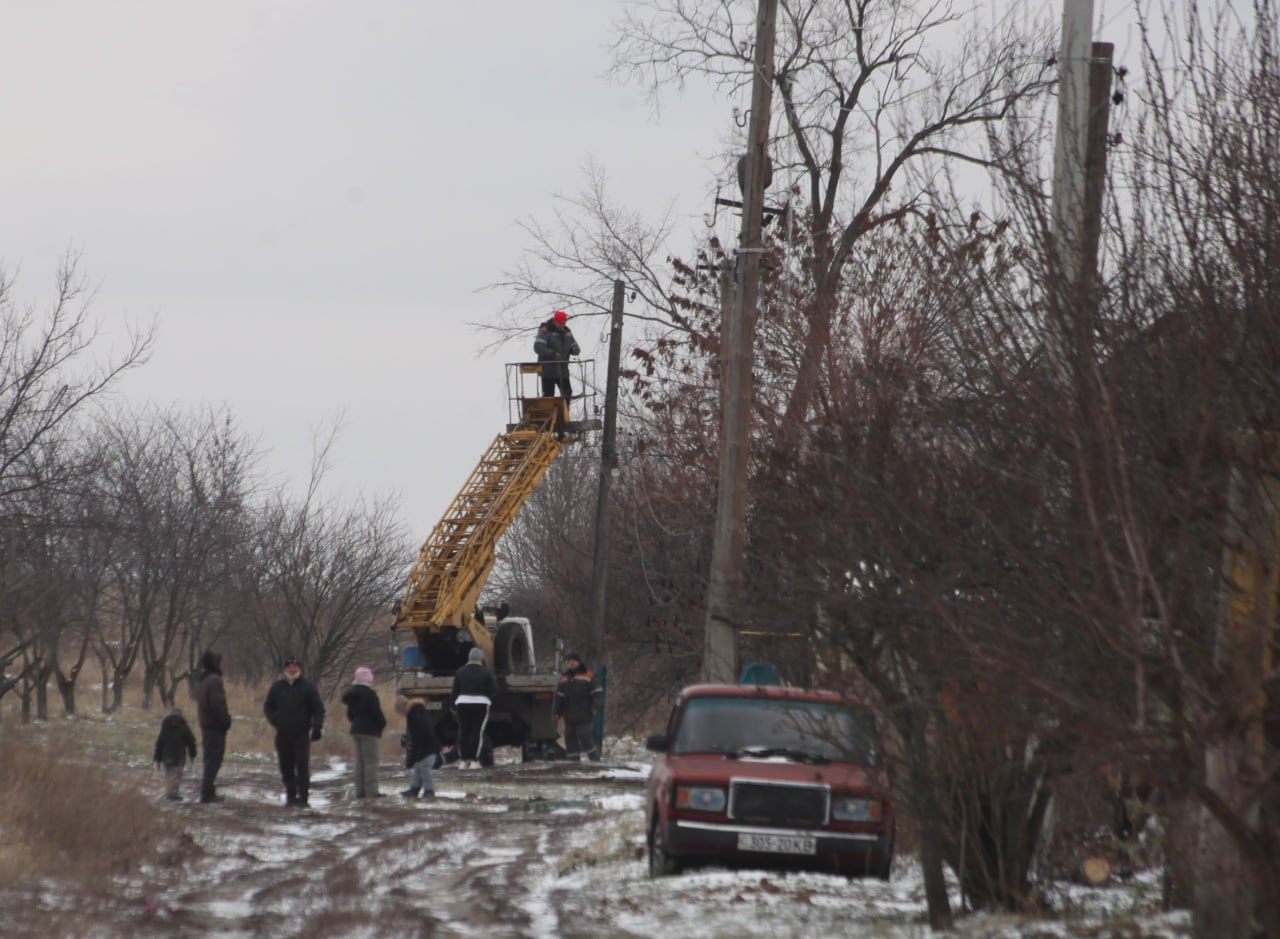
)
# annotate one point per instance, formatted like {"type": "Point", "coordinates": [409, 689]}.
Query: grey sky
{"type": "Point", "coordinates": [309, 196]}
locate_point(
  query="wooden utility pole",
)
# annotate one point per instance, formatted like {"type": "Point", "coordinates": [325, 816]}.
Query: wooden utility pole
{"type": "Point", "coordinates": [1069, 159]}
{"type": "Point", "coordinates": [608, 469]}
{"type": "Point", "coordinates": [724, 590]}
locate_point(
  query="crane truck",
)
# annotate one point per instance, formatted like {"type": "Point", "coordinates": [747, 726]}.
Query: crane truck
{"type": "Point", "coordinates": [439, 606]}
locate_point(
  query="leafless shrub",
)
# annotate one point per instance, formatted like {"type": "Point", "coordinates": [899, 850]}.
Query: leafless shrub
{"type": "Point", "coordinates": [64, 813]}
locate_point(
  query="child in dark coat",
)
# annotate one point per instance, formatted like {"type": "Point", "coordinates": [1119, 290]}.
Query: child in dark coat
{"type": "Point", "coordinates": [421, 748]}
{"type": "Point", "coordinates": [174, 744]}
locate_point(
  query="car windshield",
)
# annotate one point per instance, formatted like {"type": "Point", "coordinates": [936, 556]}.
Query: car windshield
{"type": "Point", "coordinates": [765, 726]}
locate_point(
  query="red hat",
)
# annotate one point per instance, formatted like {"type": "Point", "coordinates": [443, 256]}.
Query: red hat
{"type": "Point", "coordinates": [560, 317]}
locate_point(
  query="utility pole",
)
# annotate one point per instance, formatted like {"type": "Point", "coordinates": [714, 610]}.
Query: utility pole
{"type": "Point", "coordinates": [1070, 156]}
{"type": "Point", "coordinates": [608, 469]}
{"type": "Point", "coordinates": [724, 590]}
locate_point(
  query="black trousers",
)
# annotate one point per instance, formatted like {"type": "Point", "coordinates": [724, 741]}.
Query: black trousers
{"type": "Point", "coordinates": [471, 721]}
{"type": "Point", "coordinates": [213, 743]}
{"type": "Point", "coordinates": [579, 738]}
{"type": "Point", "coordinates": [553, 375]}
{"type": "Point", "coordinates": [294, 753]}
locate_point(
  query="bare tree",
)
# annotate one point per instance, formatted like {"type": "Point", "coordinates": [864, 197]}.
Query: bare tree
{"type": "Point", "coordinates": [573, 260]}
{"type": "Point", "coordinates": [867, 90]}
{"type": "Point", "coordinates": [49, 370]}
{"type": "Point", "coordinates": [324, 576]}
{"type": "Point", "coordinates": [178, 487]}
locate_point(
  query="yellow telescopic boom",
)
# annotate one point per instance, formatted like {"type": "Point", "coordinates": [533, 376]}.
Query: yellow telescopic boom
{"type": "Point", "coordinates": [445, 584]}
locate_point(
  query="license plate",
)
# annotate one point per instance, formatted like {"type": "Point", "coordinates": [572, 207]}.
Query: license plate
{"type": "Point", "coordinates": [433, 706]}
{"type": "Point", "coordinates": [777, 844]}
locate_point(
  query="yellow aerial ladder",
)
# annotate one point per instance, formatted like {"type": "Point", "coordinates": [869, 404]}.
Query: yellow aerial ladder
{"type": "Point", "coordinates": [443, 588]}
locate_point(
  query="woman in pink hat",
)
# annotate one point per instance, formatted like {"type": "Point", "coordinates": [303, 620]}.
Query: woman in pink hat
{"type": "Point", "coordinates": [364, 710]}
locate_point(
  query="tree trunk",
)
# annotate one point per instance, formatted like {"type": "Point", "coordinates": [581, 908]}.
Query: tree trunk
{"type": "Point", "coordinates": [923, 784]}
{"type": "Point", "coordinates": [67, 690]}
{"type": "Point", "coordinates": [42, 697]}
{"type": "Point", "coordinates": [117, 695]}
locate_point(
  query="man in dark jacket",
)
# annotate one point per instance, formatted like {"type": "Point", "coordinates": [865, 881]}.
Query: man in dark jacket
{"type": "Point", "coordinates": [474, 690]}
{"type": "Point", "coordinates": [553, 345]}
{"type": "Point", "coordinates": [214, 720]}
{"type": "Point", "coordinates": [421, 747]}
{"type": "Point", "coordinates": [293, 707]}
{"type": "Point", "coordinates": [577, 700]}
{"type": "Point", "coordinates": [174, 744]}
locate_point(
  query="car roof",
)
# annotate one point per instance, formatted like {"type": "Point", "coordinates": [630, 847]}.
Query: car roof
{"type": "Point", "coordinates": [789, 692]}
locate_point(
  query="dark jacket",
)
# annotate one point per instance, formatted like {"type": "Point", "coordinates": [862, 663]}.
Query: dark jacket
{"type": "Point", "coordinates": [294, 707]}
{"type": "Point", "coordinates": [175, 739]}
{"type": "Point", "coordinates": [578, 697]}
{"type": "Point", "coordinates": [475, 680]}
{"type": "Point", "coordinates": [423, 741]}
{"type": "Point", "coordinates": [554, 344]}
{"type": "Point", "coordinates": [211, 696]}
{"type": "Point", "coordinates": [364, 710]}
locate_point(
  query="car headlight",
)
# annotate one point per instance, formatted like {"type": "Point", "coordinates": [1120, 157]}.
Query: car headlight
{"type": "Point", "coordinates": [857, 810]}
{"type": "Point", "coordinates": [700, 798]}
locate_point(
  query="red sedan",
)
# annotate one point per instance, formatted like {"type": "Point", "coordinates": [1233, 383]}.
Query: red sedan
{"type": "Point", "coordinates": [768, 776]}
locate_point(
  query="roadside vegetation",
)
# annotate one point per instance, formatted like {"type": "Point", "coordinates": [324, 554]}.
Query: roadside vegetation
{"type": "Point", "coordinates": [1029, 518]}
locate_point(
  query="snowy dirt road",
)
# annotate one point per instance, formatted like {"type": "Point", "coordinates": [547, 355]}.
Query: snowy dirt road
{"type": "Point", "coordinates": [517, 850]}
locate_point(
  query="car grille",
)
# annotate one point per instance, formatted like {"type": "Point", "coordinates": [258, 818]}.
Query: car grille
{"type": "Point", "coordinates": [764, 804]}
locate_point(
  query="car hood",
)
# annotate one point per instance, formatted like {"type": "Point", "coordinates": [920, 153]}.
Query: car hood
{"type": "Point", "coordinates": [775, 769]}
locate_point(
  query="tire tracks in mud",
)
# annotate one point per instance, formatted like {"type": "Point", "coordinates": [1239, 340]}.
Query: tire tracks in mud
{"type": "Point", "coordinates": [481, 859]}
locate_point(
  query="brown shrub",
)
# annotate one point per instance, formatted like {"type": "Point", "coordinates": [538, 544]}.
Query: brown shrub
{"type": "Point", "coordinates": [60, 812]}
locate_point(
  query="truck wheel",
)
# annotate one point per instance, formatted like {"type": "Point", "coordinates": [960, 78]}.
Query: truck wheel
{"type": "Point", "coordinates": [661, 864]}
{"type": "Point", "coordinates": [511, 649]}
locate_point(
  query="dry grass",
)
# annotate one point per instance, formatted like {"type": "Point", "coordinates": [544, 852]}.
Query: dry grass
{"type": "Point", "coordinates": [59, 811]}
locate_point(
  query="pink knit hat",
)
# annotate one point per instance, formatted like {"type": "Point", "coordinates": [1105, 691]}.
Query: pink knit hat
{"type": "Point", "coordinates": [364, 674]}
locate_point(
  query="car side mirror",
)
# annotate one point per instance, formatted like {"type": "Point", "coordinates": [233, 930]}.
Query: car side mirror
{"type": "Point", "coordinates": [658, 743]}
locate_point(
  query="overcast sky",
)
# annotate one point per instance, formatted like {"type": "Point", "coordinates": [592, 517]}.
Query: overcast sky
{"type": "Point", "coordinates": [309, 196]}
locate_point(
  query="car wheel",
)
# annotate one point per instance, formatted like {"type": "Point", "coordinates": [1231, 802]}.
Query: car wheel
{"type": "Point", "coordinates": [661, 864]}
{"type": "Point", "coordinates": [885, 868]}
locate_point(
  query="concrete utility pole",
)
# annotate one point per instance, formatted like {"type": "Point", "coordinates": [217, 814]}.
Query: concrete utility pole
{"type": "Point", "coordinates": [724, 591]}
{"type": "Point", "coordinates": [608, 469]}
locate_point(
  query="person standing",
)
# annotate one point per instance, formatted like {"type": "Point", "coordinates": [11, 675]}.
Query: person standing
{"type": "Point", "coordinates": [174, 744]}
{"type": "Point", "coordinates": [364, 711]}
{"type": "Point", "coordinates": [577, 701]}
{"type": "Point", "coordinates": [293, 707]}
{"type": "Point", "coordinates": [214, 720]}
{"type": "Point", "coordinates": [553, 345]}
{"type": "Point", "coordinates": [474, 691]}
{"type": "Point", "coordinates": [421, 747]}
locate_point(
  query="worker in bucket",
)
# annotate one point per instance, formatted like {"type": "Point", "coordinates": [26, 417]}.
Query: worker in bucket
{"type": "Point", "coordinates": [474, 691]}
{"type": "Point", "coordinates": [553, 345]}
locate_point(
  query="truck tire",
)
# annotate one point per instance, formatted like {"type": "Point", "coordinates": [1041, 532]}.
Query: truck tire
{"type": "Point", "coordinates": [510, 649]}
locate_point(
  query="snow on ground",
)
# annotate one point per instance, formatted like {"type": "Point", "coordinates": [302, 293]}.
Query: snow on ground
{"type": "Point", "coordinates": [536, 851]}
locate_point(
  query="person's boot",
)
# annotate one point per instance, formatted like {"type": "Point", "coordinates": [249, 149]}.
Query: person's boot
{"type": "Point", "coordinates": [411, 792]}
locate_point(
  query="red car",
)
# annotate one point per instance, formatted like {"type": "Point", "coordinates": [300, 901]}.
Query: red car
{"type": "Point", "coordinates": [768, 776]}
